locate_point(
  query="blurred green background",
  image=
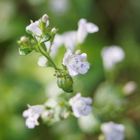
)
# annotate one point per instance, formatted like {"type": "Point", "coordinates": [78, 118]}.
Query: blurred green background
{"type": "Point", "coordinates": [22, 82]}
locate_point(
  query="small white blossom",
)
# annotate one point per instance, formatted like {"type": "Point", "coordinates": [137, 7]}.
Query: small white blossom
{"type": "Point", "coordinates": [24, 39]}
{"type": "Point", "coordinates": [76, 63]}
{"type": "Point", "coordinates": [32, 115]}
{"type": "Point", "coordinates": [81, 106]}
{"type": "Point", "coordinates": [84, 28]}
{"type": "Point", "coordinates": [129, 87]}
{"type": "Point", "coordinates": [53, 30]}
{"type": "Point", "coordinates": [42, 61]}
{"type": "Point", "coordinates": [71, 39]}
{"type": "Point", "coordinates": [88, 123]}
{"type": "Point", "coordinates": [111, 56]}
{"type": "Point", "coordinates": [34, 28]}
{"type": "Point", "coordinates": [51, 103]}
{"type": "Point", "coordinates": [45, 19]}
{"type": "Point", "coordinates": [113, 131]}
{"type": "Point", "coordinates": [59, 7]}
{"type": "Point", "coordinates": [47, 115]}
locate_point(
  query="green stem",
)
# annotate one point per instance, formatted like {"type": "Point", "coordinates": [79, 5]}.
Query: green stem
{"type": "Point", "coordinates": [47, 56]}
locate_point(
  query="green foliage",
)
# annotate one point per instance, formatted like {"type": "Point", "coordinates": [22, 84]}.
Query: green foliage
{"type": "Point", "coordinates": [22, 82]}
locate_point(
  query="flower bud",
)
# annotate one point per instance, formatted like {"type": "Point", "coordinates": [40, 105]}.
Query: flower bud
{"type": "Point", "coordinates": [54, 30]}
{"type": "Point", "coordinates": [24, 45]}
{"type": "Point", "coordinates": [45, 18]}
{"type": "Point", "coordinates": [24, 39]}
{"type": "Point", "coordinates": [65, 82]}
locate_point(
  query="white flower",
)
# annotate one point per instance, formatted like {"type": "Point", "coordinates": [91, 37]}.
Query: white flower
{"type": "Point", "coordinates": [76, 63]}
{"type": "Point", "coordinates": [34, 28]}
{"type": "Point", "coordinates": [54, 30]}
{"type": "Point", "coordinates": [42, 61]}
{"type": "Point", "coordinates": [88, 123]}
{"type": "Point", "coordinates": [59, 7]}
{"type": "Point", "coordinates": [47, 115]}
{"type": "Point", "coordinates": [112, 55]}
{"type": "Point", "coordinates": [32, 115]}
{"type": "Point", "coordinates": [71, 39]}
{"type": "Point", "coordinates": [45, 19]}
{"type": "Point", "coordinates": [51, 103]}
{"type": "Point", "coordinates": [113, 131]}
{"type": "Point", "coordinates": [84, 28]}
{"type": "Point", "coordinates": [81, 106]}
{"type": "Point", "coordinates": [129, 87]}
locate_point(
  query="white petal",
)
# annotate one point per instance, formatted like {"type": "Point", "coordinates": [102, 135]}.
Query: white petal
{"type": "Point", "coordinates": [26, 113]}
{"type": "Point", "coordinates": [31, 123]}
{"type": "Point", "coordinates": [92, 28]}
{"type": "Point", "coordinates": [72, 72]}
{"type": "Point", "coordinates": [34, 28]}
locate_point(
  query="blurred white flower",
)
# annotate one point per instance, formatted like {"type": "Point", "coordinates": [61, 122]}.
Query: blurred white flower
{"type": "Point", "coordinates": [88, 123]}
{"type": "Point", "coordinates": [59, 7]}
{"type": "Point", "coordinates": [32, 115]}
{"type": "Point", "coordinates": [84, 28]}
{"type": "Point", "coordinates": [53, 88]}
{"type": "Point", "coordinates": [42, 61]}
{"type": "Point", "coordinates": [53, 30]}
{"type": "Point", "coordinates": [76, 63]}
{"type": "Point", "coordinates": [47, 115]}
{"type": "Point", "coordinates": [113, 131]}
{"type": "Point", "coordinates": [71, 39]}
{"type": "Point", "coordinates": [45, 19]}
{"type": "Point", "coordinates": [112, 55]}
{"type": "Point", "coordinates": [51, 103]}
{"type": "Point", "coordinates": [129, 87]}
{"type": "Point", "coordinates": [34, 28]}
{"type": "Point", "coordinates": [81, 106]}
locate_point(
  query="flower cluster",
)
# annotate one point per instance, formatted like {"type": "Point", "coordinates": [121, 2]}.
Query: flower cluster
{"type": "Point", "coordinates": [54, 110]}
{"type": "Point", "coordinates": [32, 115]}
{"type": "Point", "coordinates": [46, 41]}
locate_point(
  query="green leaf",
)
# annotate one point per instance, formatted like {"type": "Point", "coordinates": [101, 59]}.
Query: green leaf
{"type": "Point", "coordinates": [24, 51]}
